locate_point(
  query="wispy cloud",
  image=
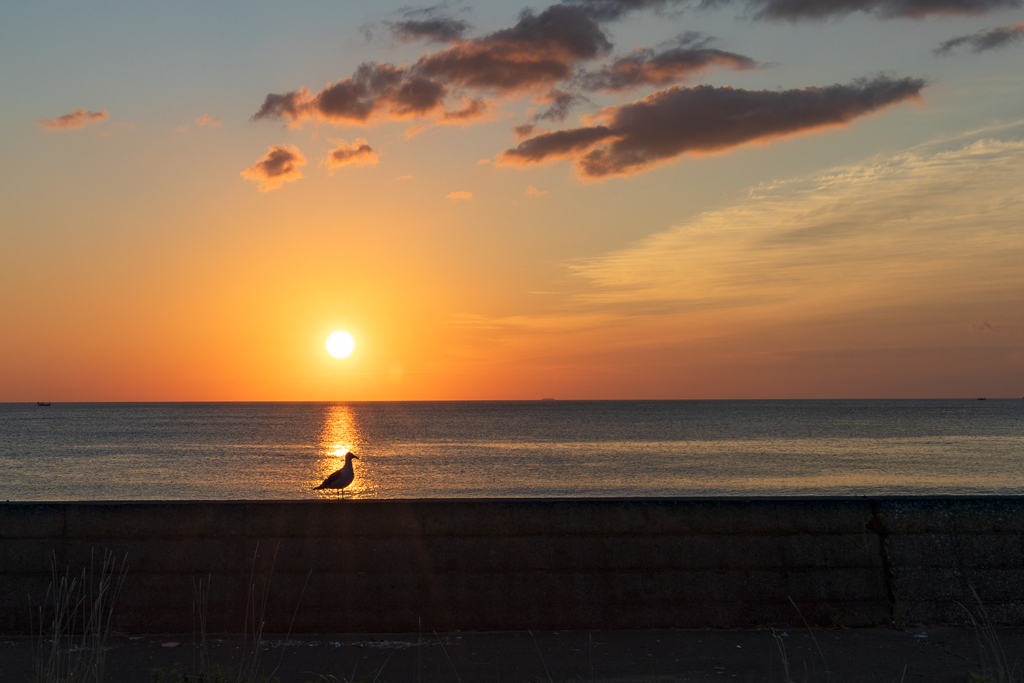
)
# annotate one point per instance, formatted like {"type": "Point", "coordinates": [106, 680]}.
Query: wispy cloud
{"type": "Point", "coordinates": [207, 120]}
{"type": "Point", "coordinates": [825, 279]}
{"type": "Point", "coordinates": [910, 227]}
{"type": "Point", "coordinates": [664, 125]}
{"type": "Point", "coordinates": [983, 41]}
{"type": "Point", "coordinates": [983, 326]}
{"type": "Point", "coordinates": [278, 166]}
{"type": "Point", "coordinates": [76, 119]}
{"type": "Point", "coordinates": [459, 196]}
{"type": "Point", "coordinates": [435, 29]}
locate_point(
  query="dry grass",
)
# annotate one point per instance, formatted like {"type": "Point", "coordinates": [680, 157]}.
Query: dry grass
{"type": "Point", "coordinates": [995, 666]}
{"type": "Point", "coordinates": [74, 622]}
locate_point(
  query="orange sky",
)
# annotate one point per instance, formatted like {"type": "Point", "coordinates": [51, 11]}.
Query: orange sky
{"type": "Point", "coordinates": [582, 202]}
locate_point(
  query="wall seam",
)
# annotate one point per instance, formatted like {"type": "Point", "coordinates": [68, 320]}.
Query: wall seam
{"type": "Point", "coordinates": [878, 527]}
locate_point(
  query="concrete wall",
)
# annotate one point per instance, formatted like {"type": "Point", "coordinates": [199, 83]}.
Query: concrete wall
{"type": "Point", "coordinates": [400, 565]}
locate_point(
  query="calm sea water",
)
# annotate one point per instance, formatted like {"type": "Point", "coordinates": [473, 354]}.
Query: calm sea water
{"type": "Point", "coordinates": [137, 451]}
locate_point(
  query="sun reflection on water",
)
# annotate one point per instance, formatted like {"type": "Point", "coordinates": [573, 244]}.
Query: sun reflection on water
{"type": "Point", "coordinates": [339, 434]}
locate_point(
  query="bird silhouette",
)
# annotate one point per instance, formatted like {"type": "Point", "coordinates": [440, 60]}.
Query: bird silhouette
{"type": "Point", "coordinates": [342, 478]}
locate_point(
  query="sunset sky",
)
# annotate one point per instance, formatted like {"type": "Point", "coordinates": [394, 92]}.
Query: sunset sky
{"type": "Point", "coordinates": [597, 199]}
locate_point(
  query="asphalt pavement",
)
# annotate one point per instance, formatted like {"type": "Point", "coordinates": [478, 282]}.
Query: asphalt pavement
{"type": "Point", "coordinates": [935, 655]}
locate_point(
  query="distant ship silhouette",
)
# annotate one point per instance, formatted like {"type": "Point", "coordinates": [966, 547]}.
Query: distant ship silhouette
{"type": "Point", "coordinates": [42, 403]}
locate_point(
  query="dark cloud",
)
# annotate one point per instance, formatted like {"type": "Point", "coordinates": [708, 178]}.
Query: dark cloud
{"type": "Point", "coordinates": [610, 10]}
{"type": "Point", "coordinates": [374, 90]}
{"type": "Point", "coordinates": [278, 166]}
{"type": "Point", "coordinates": [555, 145]}
{"type": "Point", "coordinates": [985, 40]}
{"type": "Point", "coordinates": [535, 54]}
{"type": "Point", "coordinates": [359, 153]}
{"type": "Point", "coordinates": [685, 60]}
{"type": "Point", "coordinates": [524, 131]}
{"type": "Point", "coordinates": [538, 51]}
{"type": "Point", "coordinates": [436, 29]}
{"type": "Point", "coordinates": [705, 119]}
{"type": "Point", "coordinates": [276, 106]}
{"type": "Point", "coordinates": [795, 10]}
{"type": "Point", "coordinates": [76, 119]}
{"type": "Point", "coordinates": [559, 102]}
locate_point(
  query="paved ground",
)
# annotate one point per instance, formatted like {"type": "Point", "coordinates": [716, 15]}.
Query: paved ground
{"type": "Point", "coordinates": [836, 656]}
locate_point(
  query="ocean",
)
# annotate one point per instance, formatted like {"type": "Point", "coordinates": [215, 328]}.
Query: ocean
{"type": "Point", "coordinates": [521, 449]}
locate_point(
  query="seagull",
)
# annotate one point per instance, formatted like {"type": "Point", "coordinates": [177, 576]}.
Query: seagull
{"type": "Point", "coordinates": [341, 478]}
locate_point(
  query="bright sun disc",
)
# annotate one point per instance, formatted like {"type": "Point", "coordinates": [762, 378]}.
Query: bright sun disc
{"type": "Point", "coordinates": [340, 344]}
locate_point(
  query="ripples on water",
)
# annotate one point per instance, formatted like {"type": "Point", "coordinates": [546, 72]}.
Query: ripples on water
{"type": "Point", "coordinates": [137, 451]}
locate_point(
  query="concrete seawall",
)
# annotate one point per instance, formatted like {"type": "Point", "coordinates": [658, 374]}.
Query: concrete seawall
{"type": "Point", "coordinates": [401, 565]}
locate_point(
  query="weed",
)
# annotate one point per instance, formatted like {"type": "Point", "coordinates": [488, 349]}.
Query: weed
{"type": "Point", "coordinates": [74, 622]}
{"type": "Point", "coordinates": [441, 643]}
{"type": "Point", "coordinates": [995, 667]}
{"type": "Point", "coordinates": [828, 673]}
{"type": "Point", "coordinates": [786, 677]}
{"type": "Point", "coordinates": [177, 674]}
{"type": "Point", "coordinates": [335, 679]}
{"type": "Point", "coordinates": [200, 608]}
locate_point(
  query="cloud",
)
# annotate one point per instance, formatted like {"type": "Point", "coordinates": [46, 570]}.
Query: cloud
{"type": "Point", "coordinates": [559, 102]}
{"type": "Point", "coordinates": [644, 67]}
{"type": "Point", "coordinates": [405, 177]}
{"type": "Point", "coordinates": [280, 165]}
{"type": "Point", "coordinates": [985, 40]}
{"type": "Point", "coordinates": [940, 226]}
{"type": "Point", "coordinates": [459, 196]}
{"type": "Point", "coordinates": [703, 119]}
{"type": "Point", "coordinates": [795, 10]}
{"type": "Point", "coordinates": [610, 10]}
{"type": "Point", "coordinates": [475, 109]}
{"type": "Point", "coordinates": [555, 145]}
{"type": "Point", "coordinates": [538, 51]}
{"type": "Point", "coordinates": [207, 120]}
{"type": "Point", "coordinates": [532, 191]}
{"type": "Point", "coordinates": [359, 153]}
{"type": "Point", "coordinates": [524, 131]}
{"type": "Point", "coordinates": [375, 90]}
{"type": "Point", "coordinates": [435, 29]}
{"type": "Point", "coordinates": [893, 256]}
{"type": "Point", "coordinates": [413, 131]}
{"type": "Point", "coordinates": [76, 119]}
{"type": "Point", "coordinates": [533, 55]}
{"type": "Point", "coordinates": [984, 326]}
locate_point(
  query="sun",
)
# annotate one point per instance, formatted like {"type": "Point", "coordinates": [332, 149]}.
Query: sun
{"type": "Point", "coordinates": [340, 344]}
